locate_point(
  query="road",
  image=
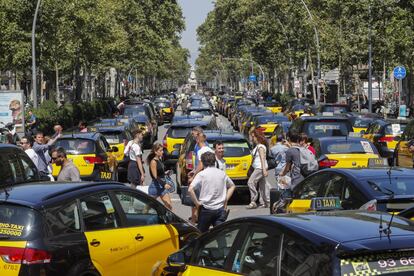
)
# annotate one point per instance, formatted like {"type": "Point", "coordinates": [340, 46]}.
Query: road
{"type": "Point", "coordinates": [236, 210]}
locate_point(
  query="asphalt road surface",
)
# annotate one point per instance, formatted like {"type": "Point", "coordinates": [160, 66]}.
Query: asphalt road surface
{"type": "Point", "coordinates": [237, 208]}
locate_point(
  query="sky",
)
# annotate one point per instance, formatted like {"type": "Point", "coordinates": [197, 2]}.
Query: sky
{"type": "Point", "coordinates": [195, 12]}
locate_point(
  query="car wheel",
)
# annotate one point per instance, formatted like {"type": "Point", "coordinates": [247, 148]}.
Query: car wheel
{"type": "Point", "coordinates": [83, 268]}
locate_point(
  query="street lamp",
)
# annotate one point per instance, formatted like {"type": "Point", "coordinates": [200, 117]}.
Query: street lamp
{"type": "Point", "coordinates": [369, 60]}
{"type": "Point", "coordinates": [34, 78]}
{"type": "Point", "coordinates": [317, 51]}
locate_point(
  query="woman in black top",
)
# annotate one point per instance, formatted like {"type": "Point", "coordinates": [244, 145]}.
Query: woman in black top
{"type": "Point", "coordinates": [158, 186]}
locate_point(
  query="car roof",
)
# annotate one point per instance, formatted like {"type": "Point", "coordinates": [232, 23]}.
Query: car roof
{"type": "Point", "coordinates": [370, 173]}
{"type": "Point", "coordinates": [40, 194]}
{"type": "Point", "coordinates": [223, 135]}
{"type": "Point", "coordinates": [349, 230]}
{"type": "Point", "coordinates": [339, 138]}
{"type": "Point", "coordinates": [8, 146]}
{"type": "Point", "coordinates": [322, 118]}
{"type": "Point", "coordinates": [111, 129]}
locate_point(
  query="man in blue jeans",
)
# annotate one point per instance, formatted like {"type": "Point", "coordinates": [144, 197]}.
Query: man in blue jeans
{"type": "Point", "coordinates": [216, 188]}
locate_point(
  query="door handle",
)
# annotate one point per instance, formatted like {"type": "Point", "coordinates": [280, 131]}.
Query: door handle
{"type": "Point", "coordinates": [95, 243]}
{"type": "Point", "coordinates": [138, 237]}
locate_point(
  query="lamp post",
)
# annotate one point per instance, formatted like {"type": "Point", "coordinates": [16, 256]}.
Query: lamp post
{"type": "Point", "coordinates": [369, 61]}
{"type": "Point", "coordinates": [317, 51]}
{"type": "Point", "coordinates": [34, 77]}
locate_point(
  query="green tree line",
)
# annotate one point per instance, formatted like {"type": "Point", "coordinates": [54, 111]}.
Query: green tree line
{"type": "Point", "coordinates": [279, 34]}
{"type": "Point", "coordinates": [76, 38]}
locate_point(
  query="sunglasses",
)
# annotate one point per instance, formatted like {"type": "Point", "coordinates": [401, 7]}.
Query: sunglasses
{"type": "Point", "coordinates": [54, 158]}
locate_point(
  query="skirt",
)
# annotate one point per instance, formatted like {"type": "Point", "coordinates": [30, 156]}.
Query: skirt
{"type": "Point", "coordinates": [134, 175]}
{"type": "Point", "coordinates": [156, 190]}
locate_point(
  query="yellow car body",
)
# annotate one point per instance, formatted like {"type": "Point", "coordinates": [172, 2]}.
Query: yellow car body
{"type": "Point", "coordinates": [359, 129]}
{"type": "Point", "coordinates": [172, 142]}
{"type": "Point", "coordinates": [237, 167]}
{"type": "Point", "coordinates": [274, 109]}
{"type": "Point", "coordinates": [352, 160]}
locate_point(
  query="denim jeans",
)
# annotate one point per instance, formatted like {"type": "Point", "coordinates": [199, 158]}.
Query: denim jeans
{"type": "Point", "coordinates": [207, 217]}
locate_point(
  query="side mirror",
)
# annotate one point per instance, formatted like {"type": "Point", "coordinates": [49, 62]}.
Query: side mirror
{"type": "Point", "coordinates": [176, 259]}
{"type": "Point", "coordinates": [397, 138]}
{"type": "Point", "coordinates": [362, 132]}
{"type": "Point", "coordinates": [177, 147]}
{"type": "Point", "coordinates": [115, 149]}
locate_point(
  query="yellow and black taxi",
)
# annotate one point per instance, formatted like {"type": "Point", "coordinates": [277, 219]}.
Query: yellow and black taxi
{"type": "Point", "coordinates": [403, 156]}
{"type": "Point", "coordinates": [382, 134]}
{"type": "Point", "coordinates": [344, 152]}
{"type": "Point", "coordinates": [242, 114]}
{"type": "Point", "coordinates": [267, 123]}
{"type": "Point", "coordinates": [142, 122]}
{"type": "Point", "coordinates": [336, 243]}
{"type": "Point", "coordinates": [383, 189]}
{"type": "Point", "coordinates": [249, 117]}
{"type": "Point", "coordinates": [237, 154]}
{"type": "Point", "coordinates": [175, 136]}
{"type": "Point", "coordinates": [235, 113]}
{"type": "Point", "coordinates": [117, 136]}
{"type": "Point", "coordinates": [89, 153]}
{"type": "Point", "coordinates": [281, 130]}
{"type": "Point", "coordinates": [273, 106]}
{"type": "Point", "coordinates": [322, 126]}
{"type": "Point", "coordinates": [85, 229]}
{"type": "Point", "coordinates": [165, 109]}
{"type": "Point", "coordinates": [135, 107]}
{"type": "Point", "coordinates": [361, 121]}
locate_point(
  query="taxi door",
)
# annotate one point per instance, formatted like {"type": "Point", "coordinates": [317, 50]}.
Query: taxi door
{"type": "Point", "coordinates": [152, 239]}
{"type": "Point", "coordinates": [204, 271]}
{"type": "Point", "coordinates": [111, 248]}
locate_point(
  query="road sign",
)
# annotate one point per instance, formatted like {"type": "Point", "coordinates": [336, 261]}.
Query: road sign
{"type": "Point", "coordinates": [253, 78]}
{"type": "Point", "coordinates": [400, 72]}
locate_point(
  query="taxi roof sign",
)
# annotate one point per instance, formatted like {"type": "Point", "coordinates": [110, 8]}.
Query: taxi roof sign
{"type": "Point", "coordinates": [325, 203]}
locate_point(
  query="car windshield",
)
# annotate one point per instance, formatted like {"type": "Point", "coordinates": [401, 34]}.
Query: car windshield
{"type": "Point", "coordinates": [19, 223]}
{"type": "Point", "coordinates": [362, 122]}
{"type": "Point", "coordinates": [180, 132]}
{"type": "Point", "coordinates": [162, 104]}
{"type": "Point", "coordinates": [324, 129]}
{"type": "Point", "coordinates": [395, 129]}
{"type": "Point", "coordinates": [350, 146]}
{"type": "Point", "coordinates": [396, 185]}
{"type": "Point", "coordinates": [77, 146]}
{"type": "Point", "coordinates": [271, 119]}
{"type": "Point", "coordinates": [335, 109]}
{"type": "Point", "coordinates": [114, 137]}
{"type": "Point", "coordinates": [202, 112]}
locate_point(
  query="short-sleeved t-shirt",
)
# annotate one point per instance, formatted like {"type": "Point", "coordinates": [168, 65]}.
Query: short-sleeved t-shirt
{"type": "Point", "coordinates": [293, 156]}
{"type": "Point", "coordinates": [203, 150]}
{"type": "Point", "coordinates": [133, 150]}
{"type": "Point", "coordinates": [69, 172]}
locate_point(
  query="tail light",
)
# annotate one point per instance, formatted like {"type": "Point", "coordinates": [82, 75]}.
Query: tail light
{"type": "Point", "coordinates": [369, 206]}
{"type": "Point", "coordinates": [28, 256]}
{"type": "Point", "coordinates": [261, 129]}
{"type": "Point", "coordinates": [189, 161]}
{"type": "Point", "coordinates": [385, 139]}
{"type": "Point", "coordinates": [93, 159]}
{"type": "Point", "coordinates": [327, 163]}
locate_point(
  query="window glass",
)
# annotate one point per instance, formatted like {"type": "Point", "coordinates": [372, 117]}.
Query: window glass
{"type": "Point", "coordinates": [214, 252]}
{"type": "Point", "coordinates": [114, 137]}
{"type": "Point", "coordinates": [323, 129]}
{"type": "Point", "coordinates": [63, 219]}
{"type": "Point", "coordinates": [19, 223]}
{"type": "Point", "coordinates": [259, 254]}
{"type": "Point", "coordinates": [348, 146]}
{"type": "Point", "coordinates": [310, 187]}
{"type": "Point", "coordinates": [76, 146]}
{"type": "Point", "coordinates": [300, 257]}
{"type": "Point", "coordinates": [398, 185]}
{"type": "Point", "coordinates": [10, 170]}
{"type": "Point", "coordinates": [138, 211]}
{"type": "Point", "coordinates": [29, 169]}
{"type": "Point", "coordinates": [395, 129]}
{"type": "Point", "coordinates": [98, 212]}
{"type": "Point", "coordinates": [179, 132]}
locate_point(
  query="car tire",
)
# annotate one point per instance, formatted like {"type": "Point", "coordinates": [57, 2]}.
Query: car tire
{"type": "Point", "coordinates": [83, 268]}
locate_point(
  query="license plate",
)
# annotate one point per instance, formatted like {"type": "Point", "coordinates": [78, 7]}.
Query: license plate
{"type": "Point", "coordinates": [105, 175]}
{"type": "Point", "coordinates": [325, 203]}
{"type": "Point", "coordinates": [385, 263]}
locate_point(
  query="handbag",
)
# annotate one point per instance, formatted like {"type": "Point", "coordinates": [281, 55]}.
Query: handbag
{"type": "Point", "coordinates": [185, 197]}
{"type": "Point", "coordinates": [170, 182]}
{"type": "Point", "coordinates": [251, 169]}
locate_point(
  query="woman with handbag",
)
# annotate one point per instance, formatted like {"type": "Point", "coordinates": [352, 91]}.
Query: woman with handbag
{"type": "Point", "coordinates": [159, 186]}
{"type": "Point", "coordinates": [257, 180]}
{"type": "Point", "coordinates": [136, 173]}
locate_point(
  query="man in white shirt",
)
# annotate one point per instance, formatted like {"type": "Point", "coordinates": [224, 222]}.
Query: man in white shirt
{"type": "Point", "coordinates": [216, 188]}
{"type": "Point", "coordinates": [26, 143]}
{"type": "Point", "coordinates": [219, 151]}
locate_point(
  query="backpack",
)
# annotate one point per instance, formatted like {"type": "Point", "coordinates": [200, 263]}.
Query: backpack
{"type": "Point", "coordinates": [308, 162]}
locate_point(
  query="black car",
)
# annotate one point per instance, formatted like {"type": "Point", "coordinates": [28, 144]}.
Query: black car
{"type": "Point", "coordinates": [327, 243]}
{"type": "Point", "coordinates": [72, 229]}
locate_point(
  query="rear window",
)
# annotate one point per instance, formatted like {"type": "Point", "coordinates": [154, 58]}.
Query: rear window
{"type": "Point", "coordinates": [19, 223]}
{"type": "Point", "coordinates": [362, 122]}
{"type": "Point", "coordinates": [77, 146]}
{"type": "Point", "coordinates": [324, 129]}
{"type": "Point", "coordinates": [265, 120]}
{"type": "Point", "coordinates": [398, 185]}
{"type": "Point", "coordinates": [234, 148]}
{"type": "Point", "coordinates": [163, 104]}
{"type": "Point", "coordinates": [336, 109]}
{"type": "Point", "coordinates": [179, 132]}
{"type": "Point", "coordinates": [202, 112]}
{"type": "Point", "coordinates": [338, 147]}
{"type": "Point", "coordinates": [395, 129]}
{"type": "Point", "coordinates": [114, 137]}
